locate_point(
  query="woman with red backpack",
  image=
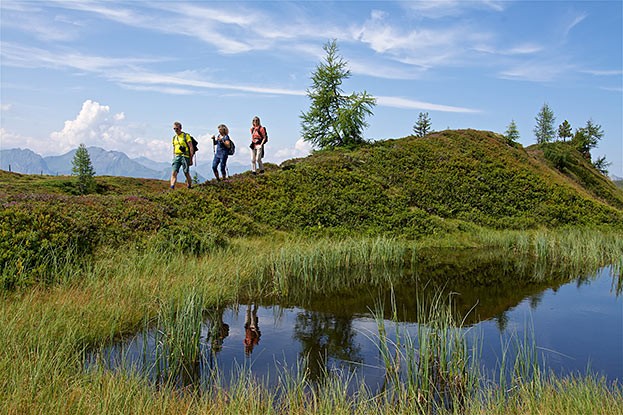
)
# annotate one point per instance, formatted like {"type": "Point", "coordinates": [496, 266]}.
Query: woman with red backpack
{"type": "Point", "coordinates": [259, 137]}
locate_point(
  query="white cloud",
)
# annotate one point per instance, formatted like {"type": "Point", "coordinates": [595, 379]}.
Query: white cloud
{"type": "Point", "coordinates": [9, 140]}
{"type": "Point", "coordinates": [301, 149]}
{"type": "Point", "coordinates": [444, 8]}
{"type": "Point", "coordinates": [153, 149]}
{"type": "Point", "coordinates": [421, 46]}
{"type": "Point", "coordinates": [574, 21]}
{"type": "Point", "coordinates": [5, 107]}
{"type": "Point", "coordinates": [404, 103]}
{"type": "Point", "coordinates": [94, 126]}
{"type": "Point", "coordinates": [30, 57]}
{"type": "Point", "coordinates": [603, 72]}
{"type": "Point", "coordinates": [534, 72]}
{"type": "Point", "coordinates": [28, 16]}
{"type": "Point", "coordinates": [524, 49]}
{"type": "Point", "coordinates": [381, 70]}
{"type": "Point", "coordinates": [190, 79]}
{"type": "Point", "coordinates": [613, 89]}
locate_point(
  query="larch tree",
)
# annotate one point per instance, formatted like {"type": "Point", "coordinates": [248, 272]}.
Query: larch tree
{"type": "Point", "coordinates": [422, 125]}
{"type": "Point", "coordinates": [334, 119]}
{"type": "Point", "coordinates": [512, 133]}
{"type": "Point", "coordinates": [544, 128]}
{"type": "Point", "coordinates": [586, 138]}
{"type": "Point", "coordinates": [565, 131]}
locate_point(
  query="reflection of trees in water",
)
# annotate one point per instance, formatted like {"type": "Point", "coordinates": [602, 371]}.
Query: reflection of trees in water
{"type": "Point", "coordinates": [325, 336]}
{"type": "Point", "coordinates": [501, 321]}
{"type": "Point", "coordinates": [488, 282]}
{"type": "Point", "coordinates": [536, 299]}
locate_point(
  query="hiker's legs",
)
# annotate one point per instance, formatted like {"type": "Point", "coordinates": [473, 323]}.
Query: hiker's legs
{"type": "Point", "coordinates": [253, 159]}
{"type": "Point", "coordinates": [260, 155]}
{"type": "Point", "coordinates": [224, 166]}
{"type": "Point", "coordinates": [260, 164]}
{"type": "Point", "coordinates": [215, 163]}
{"type": "Point", "coordinates": [186, 170]}
{"type": "Point", "coordinates": [176, 164]}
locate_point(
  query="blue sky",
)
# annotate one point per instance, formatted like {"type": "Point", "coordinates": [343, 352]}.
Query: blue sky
{"type": "Point", "coordinates": [117, 74]}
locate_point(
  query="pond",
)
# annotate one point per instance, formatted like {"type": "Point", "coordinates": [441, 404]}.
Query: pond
{"type": "Point", "coordinates": [574, 322]}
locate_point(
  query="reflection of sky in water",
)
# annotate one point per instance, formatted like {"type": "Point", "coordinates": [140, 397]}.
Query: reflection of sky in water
{"type": "Point", "coordinates": [576, 326]}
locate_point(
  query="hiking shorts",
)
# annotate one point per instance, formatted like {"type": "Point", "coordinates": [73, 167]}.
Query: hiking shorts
{"type": "Point", "coordinates": [181, 161]}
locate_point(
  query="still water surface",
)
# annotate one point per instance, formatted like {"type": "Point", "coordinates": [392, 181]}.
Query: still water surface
{"type": "Point", "coordinates": [575, 325]}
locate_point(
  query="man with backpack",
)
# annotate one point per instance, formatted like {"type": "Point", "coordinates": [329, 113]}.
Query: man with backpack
{"type": "Point", "coordinates": [183, 152]}
{"type": "Point", "coordinates": [259, 137]}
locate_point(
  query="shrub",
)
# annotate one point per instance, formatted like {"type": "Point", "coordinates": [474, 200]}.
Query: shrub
{"type": "Point", "coordinates": [189, 237]}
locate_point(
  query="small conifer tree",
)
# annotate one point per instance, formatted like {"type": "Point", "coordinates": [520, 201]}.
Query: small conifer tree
{"type": "Point", "coordinates": [544, 128]}
{"type": "Point", "coordinates": [586, 138]}
{"type": "Point", "coordinates": [601, 164]}
{"type": "Point", "coordinates": [564, 131]}
{"type": "Point", "coordinates": [422, 125]}
{"type": "Point", "coordinates": [512, 133]}
{"type": "Point", "coordinates": [82, 167]}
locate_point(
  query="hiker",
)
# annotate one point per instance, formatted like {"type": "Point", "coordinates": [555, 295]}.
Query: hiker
{"type": "Point", "coordinates": [182, 155]}
{"type": "Point", "coordinates": [258, 139]}
{"type": "Point", "coordinates": [251, 330]}
{"type": "Point", "coordinates": [222, 144]}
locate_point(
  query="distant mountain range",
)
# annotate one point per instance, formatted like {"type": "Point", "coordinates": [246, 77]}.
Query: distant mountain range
{"type": "Point", "coordinates": [105, 163]}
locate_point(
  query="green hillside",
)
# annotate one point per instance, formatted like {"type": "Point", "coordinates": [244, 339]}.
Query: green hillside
{"type": "Point", "coordinates": [416, 186]}
{"type": "Point", "coordinates": [447, 182]}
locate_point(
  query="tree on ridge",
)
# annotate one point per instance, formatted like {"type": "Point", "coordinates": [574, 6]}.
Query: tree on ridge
{"type": "Point", "coordinates": [334, 119]}
{"type": "Point", "coordinates": [422, 125]}
{"type": "Point", "coordinates": [544, 128]}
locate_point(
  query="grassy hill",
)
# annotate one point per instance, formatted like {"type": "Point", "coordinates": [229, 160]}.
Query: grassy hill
{"type": "Point", "coordinates": [415, 186]}
{"type": "Point", "coordinates": [447, 182]}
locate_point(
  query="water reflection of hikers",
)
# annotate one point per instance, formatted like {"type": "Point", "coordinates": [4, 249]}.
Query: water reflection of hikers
{"type": "Point", "coordinates": [222, 143]}
{"type": "Point", "coordinates": [251, 330]}
{"type": "Point", "coordinates": [258, 139]}
{"type": "Point", "coordinates": [219, 331]}
{"type": "Point", "coordinates": [183, 153]}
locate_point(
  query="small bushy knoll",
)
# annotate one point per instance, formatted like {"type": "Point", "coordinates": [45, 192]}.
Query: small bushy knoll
{"type": "Point", "coordinates": [411, 187]}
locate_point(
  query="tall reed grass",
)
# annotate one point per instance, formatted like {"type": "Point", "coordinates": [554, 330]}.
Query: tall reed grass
{"type": "Point", "coordinates": [579, 246]}
{"type": "Point", "coordinates": [436, 367]}
{"type": "Point", "coordinates": [330, 266]}
{"type": "Point", "coordinates": [178, 335]}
